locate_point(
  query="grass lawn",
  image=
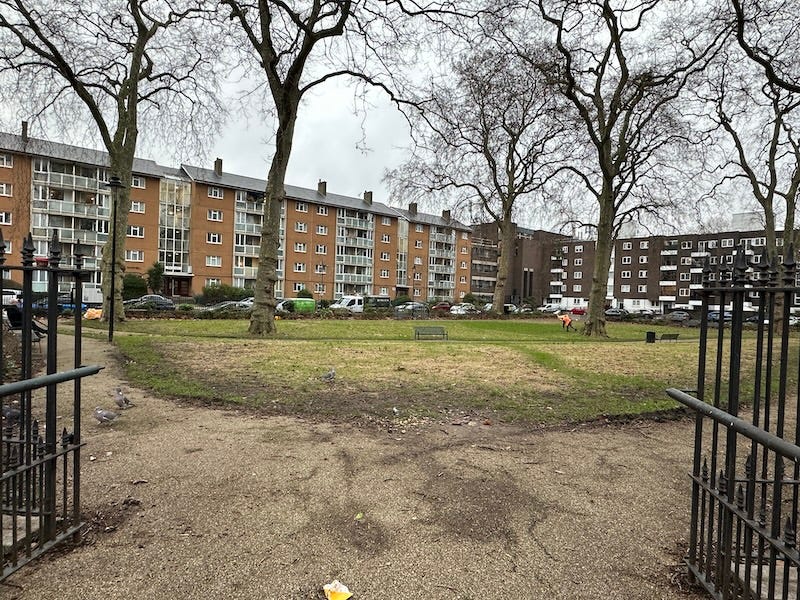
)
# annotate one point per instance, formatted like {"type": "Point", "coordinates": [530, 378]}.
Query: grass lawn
{"type": "Point", "coordinates": [505, 370]}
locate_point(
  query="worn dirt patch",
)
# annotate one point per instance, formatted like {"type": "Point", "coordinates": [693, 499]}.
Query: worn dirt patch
{"type": "Point", "coordinates": [238, 505]}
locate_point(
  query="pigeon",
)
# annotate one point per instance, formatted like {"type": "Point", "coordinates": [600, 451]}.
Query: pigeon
{"type": "Point", "coordinates": [329, 376]}
{"type": "Point", "coordinates": [121, 399]}
{"type": "Point", "coordinates": [104, 416]}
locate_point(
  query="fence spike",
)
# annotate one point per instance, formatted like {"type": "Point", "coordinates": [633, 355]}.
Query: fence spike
{"type": "Point", "coordinates": [789, 533]}
{"type": "Point", "coordinates": [55, 250]}
{"type": "Point", "coordinates": [704, 471]}
{"type": "Point", "coordinates": [723, 483]}
{"type": "Point", "coordinates": [707, 271]}
{"type": "Point", "coordinates": [789, 267]}
{"type": "Point", "coordinates": [27, 251]}
{"type": "Point", "coordinates": [740, 266]}
{"type": "Point", "coordinates": [740, 497]}
{"type": "Point", "coordinates": [773, 271]}
{"type": "Point", "coordinates": [748, 466]}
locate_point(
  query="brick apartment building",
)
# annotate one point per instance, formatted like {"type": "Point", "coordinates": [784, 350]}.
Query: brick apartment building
{"type": "Point", "coordinates": [204, 226]}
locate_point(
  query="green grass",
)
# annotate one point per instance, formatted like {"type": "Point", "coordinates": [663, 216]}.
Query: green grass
{"type": "Point", "coordinates": [506, 370]}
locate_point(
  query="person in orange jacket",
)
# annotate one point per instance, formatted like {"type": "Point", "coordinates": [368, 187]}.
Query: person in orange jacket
{"type": "Point", "coordinates": [566, 322]}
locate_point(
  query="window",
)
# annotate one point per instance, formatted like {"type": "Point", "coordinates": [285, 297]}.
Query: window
{"type": "Point", "coordinates": [5, 219]}
{"type": "Point", "coordinates": [384, 273]}
{"type": "Point", "coordinates": [214, 192]}
{"type": "Point", "coordinates": [642, 274]}
{"type": "Point", "coordinates": [625, 274]}
{"type": "Point", "coordinates": [644, 245]}
{"type": "Point", "coordinates": [464, 250]}
{"type": "Point", "coordinates": [301, 207]}
{"type": "Point", "coordinates": [136, 231]}
{"type": "Point", "coordinates": [686, 260]}
{"type": "Point", "coordinates": [418, 244]}
{"type": "Point", "coordinates": [627, 245]}
{"type": "Point", "coordinates": [321, 249]}
{"type": "Point", "coordinates": [701, 246]}
{"type": "Point", "coordinates": [298, 286]}
{"type": "Point", "coordinates": [729, 258]}
{"type": "Point", "coordinates": [322, 229]}
{"type": "Point", "coordinates": [417, 276]}
{"type": "Point", "coordinates": [464, 235]}
{"type": "Point", "coordinates": [462, 279]}
{"type": "Point", "coordinates": [577, 275]}
{"type": "Point", "coordinates": [417, 292]}
{"type": "Point", "coordinates": [578, 248]}
{"type": "Point", "coordinates": [711, 244]}
{"type": "Point", "coordinates": [319, 288]}
{"type": "Point", "coordinates": [578, 262]}
{"type": "Point", "coordinates": [213, 261]}
{"type": "Point", "coordinates": [417, 261]}
{"type": "Point", "coordinates": [643, 259]}
{"type": "Point", "coordinates": [212, 281]}
{"type": "Point", "coordinates": [576, 288]}
{"type": "Point", "coordinates": [463, 264]}
{"type": "Point", "coordinates": [215, 215]}
{"type": "Point", "coordinates": [299, 247]}
{"type": "Point", "coordinates": [213, 238]}
{"type": "Point", "coordinates": [712, 260]}
{"type": "Point", "coordinates": [384, 256]}
{"type": "Point", "coordinates": [686, 245]}
{"type": "Point", "coordinates": [625, 289]}
{"type": "Point", "coordinates": [419, 228]}
{"type": "Point", "coordinates": [137, 207]}
{"type": "Point", "coordinates": [6, 189]}
{"type": "Point", "coordinates": [386, 238]}
{"type": "Point", "coordinates": [626, 260]}
{"type": "Point", "coordinates": [134, 255]}
{"type": "Point", "coordinates": [6, 160]}
{"type": "Point", "coordinates": [299, 267]}
{"type": "Point", "coordinates": [322, 210]}
{"type": "Point", "coordinates": [386, 220]}
{"type": "Point", "coordinates": [564, 262]}
{"type": "Point", "coordinates": [137, 182]}
{"type": "Point", "coordinates": [564, 249]}
{"type": "Point", "coordinates": [642, 289]}
{"type": "Point", "coordinates": [684, 292]}
{"type": "Point", "coordinates": [726, 243]}
{"type": "Point", "coordinates": [300, 226]}
{"type": "Point", "coordinates": [685, 276]}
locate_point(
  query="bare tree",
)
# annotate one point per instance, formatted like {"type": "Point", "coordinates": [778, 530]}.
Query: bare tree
{"type": "Point", "coordinates": [300, 46]}
{"type": "Point", "coordinates": [622, 68]}
{"type": "Point", "coordinates": [769, 33]}
{"type": "Point", "coordinates": [124, 61]}
{"type": "Point", "coordinates": [488, 135]}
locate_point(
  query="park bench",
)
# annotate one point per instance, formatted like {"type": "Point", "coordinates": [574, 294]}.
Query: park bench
{"type": "Point", "coordinates": [669, 337]}
{"type": "Point", "coordinates": [428, 332]}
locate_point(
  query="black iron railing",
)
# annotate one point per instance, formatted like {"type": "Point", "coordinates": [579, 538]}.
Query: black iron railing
{"type": "Point", "coordinates": [39, 463]}
{"type": "Point", "coordinates": [745, 475]}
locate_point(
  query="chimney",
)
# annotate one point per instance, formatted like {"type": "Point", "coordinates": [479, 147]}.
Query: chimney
{"type": "Point", "coordinates": [24, 131]}
{"type": "Point", "coordinates": [412, 208]}
{"type": "Point", "coordinates": [218, 167]}
{"type": "Point", "coordinates": [368, 198]}
{"type": "Point", "coordinates": [322, 187]}
{"type": "Point", "coordinates": [446, 215]}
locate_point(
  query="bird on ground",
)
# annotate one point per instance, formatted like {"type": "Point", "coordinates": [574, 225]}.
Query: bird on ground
{"type": "Point", "coordinates": [329, 376]}
{"type": "Point", "coordinates": [104, 416]}
{"type": "Point", "coordinates": [121, 399]}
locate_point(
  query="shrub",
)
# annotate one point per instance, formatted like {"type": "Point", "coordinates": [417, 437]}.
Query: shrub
{"type": "Point", "coordinates": [401, 300]}
{"type": "Point", "coordinates": [133, 286]}
{"type": "Point", "coordinates": [219, 293]}
{"type": "Point", "coordinates": [304, 293]}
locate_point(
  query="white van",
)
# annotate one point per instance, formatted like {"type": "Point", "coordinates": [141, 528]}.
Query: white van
{"type": "Point", "coordinates": [353, 304]}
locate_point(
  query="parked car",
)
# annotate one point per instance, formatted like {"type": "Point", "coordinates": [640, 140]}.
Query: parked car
{"type": "Point", "coordinates": [616, 313]}
{"type": "Point", "coordinates": [151, 302]}
{"type": "Point", "coordinates": [246, 303]}
{"type": "Point", "coordinates": [443, 306]}
{"type": "Point", "coordinates": [465, 308]}
{"type": "Point", "coordinates": [411, 309]}
{"type": "Point", "coordinates": [678, 316]}
{"type": "Point", "coordinates": [549, 308]}
{"type": "Point", "coordinates": [714, 316]}
{"type": "Point", "coordinates": [226, 306]}
{"type": "Point", "coordinates": [578, 310]}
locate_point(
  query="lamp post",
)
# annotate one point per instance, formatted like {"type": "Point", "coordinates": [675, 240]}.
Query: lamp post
{"type": "Point", "coordinates": [115, 183]}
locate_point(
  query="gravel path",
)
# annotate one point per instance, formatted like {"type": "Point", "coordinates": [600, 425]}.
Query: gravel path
{"type": "Point", "coordinates": [190, 502]}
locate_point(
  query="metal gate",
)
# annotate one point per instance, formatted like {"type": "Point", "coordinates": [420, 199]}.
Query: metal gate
{"type": "Point", "coordinates": [40, 458]}
{"type": "Point", "coordinates": [746, 464]}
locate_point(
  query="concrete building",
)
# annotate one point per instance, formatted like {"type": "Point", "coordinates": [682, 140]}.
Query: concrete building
{"type": "Point", "coordinates": [204, 226]}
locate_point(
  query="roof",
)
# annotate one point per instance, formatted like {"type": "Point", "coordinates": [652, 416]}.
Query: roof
{"type": "Point", "coordinates": [37, 147]}
{"type": "Point", "coordinates": [427, 219]}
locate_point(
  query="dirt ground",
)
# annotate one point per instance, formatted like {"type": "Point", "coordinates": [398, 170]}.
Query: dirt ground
{"type": "Point", "coordinates": [192, 502]}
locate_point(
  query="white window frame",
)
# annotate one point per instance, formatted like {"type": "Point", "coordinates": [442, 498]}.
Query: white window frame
{"type": "Point", "coordinates": [212, 281]}
{"type": "Point", "coordinates": [137, 181]}
{"type": "Point", "coordinates": [642, 259]}
{"type": "Point", "coordinates": [685, 277]}
{"type": "Point", "coordinates": [644, 245]}
{"type": "Point", "coordinates": [578, 249]}
{"type": "Point", "coordinates": [215, 192]}
{"type": "Point", "coordinates": [137, 207]}
{"type": "Point", "coordinates": [6, 219]}
{"type": "Point", "coordinates": [135, 231]}
{"type": "Point", "coordinates": [298, 286]}
{"type": "Point", "coordinates": [417, 243]}
{"type": "Point", "coordinates": [419, 228]}
{"type": "Point", "coordinates": [643, 274]}
{"type": "Point", "coordinates": [213, 237]}
{"type": "Point", "coordinates": [386, 238]}
{"type": "Point", "coordinates": [627, 245]}
{"type": "Point", "coordinates": [686, 260]}
{"type": "Point", "coordinates": [576, 287]}
{"type": "Point", "coordinates": [322, 230]}
{"type": "Point", "coordinates": [214, 215]}
{"type": "Point", "coordinates": [577, 275]}
{"type": "Point", "coordinates": [300, 247]}
{"type": "Point", "coordinates": [299, 267]}
{"type": "Point", "coordinates": [134, 255]}
{"type": "Point", "coordinates": [213, 261]}
{"type": "Point", "coordinates": [322, 210]}
{"type": "Point", "coordinates": [386, 220]}
{"type": "Point", "coordinates": [686, 245]}
{"type": "Point", "coordinates": [577, 262]}
{"type": "Point", "coordinates": [384, 273]}
{"type": "Point", "coordinates": [6, 189]}
{"type": "Point", "coordinates": [7, 160]}
{"type": "Point", "coordinates": [301, 226]}
{"type": "Point", "coordinates": [625, 274]}
{"type": "Point", "coordinates": [642, 288]}
{"type": "Point", "coordinates": [626, 260]}
{"type": "Point", "coordinates": [684, 292]}
{"type": "Point", "coordinates": [625, 289]}
{"type": "Point", "coordinates": [321, 249]}
{"type": "Point", "coordinates": [301, 206]}
{"type": "Point", "coordinates": [385, 256]}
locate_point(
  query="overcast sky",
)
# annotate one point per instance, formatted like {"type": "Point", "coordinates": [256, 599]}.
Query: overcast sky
{"type": "Point", "coordinates": [329, 144]}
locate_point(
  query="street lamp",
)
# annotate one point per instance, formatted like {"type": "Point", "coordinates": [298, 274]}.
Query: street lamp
{"type": "Point", "coordinates": [115, 183]}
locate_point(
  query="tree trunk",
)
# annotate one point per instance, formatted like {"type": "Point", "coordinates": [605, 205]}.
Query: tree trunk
{"type": "Point", "coordinates": [121, 165]}
{"type": "Point", "coordinates": [505, 252]}
{"type": "Point", "coordinates": [595, 324]}
{"type": "Point", "coordinates": [262, 319]}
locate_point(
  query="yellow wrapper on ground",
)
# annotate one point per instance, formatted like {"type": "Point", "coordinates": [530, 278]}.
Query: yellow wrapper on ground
{"type": "Point", "coordinates": [335, 590]}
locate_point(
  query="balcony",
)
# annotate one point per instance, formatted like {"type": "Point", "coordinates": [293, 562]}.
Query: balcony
{"type": "Point", "coordinates": [558, 270]}
{"type": "Point", "coordinates": [63, 180]}
{"type": "Point", "coordinates": [68, 235]}
{"type": "Point", "coordinates": [443, 237]}
{"type": "Point", "coordinates": [354, 260]}
{"type": "Point", "coordinates": [442, 285]}
{"type": "Point", "coordinates": [248, 228]}
{"type": "Point", "coordinates": [246, 250]}
{"type": "Point", "coordinates": [354, 242]}
{"type": "Point", "coordinates": [354, 223]}
{"type": "Point", "coordinates": [353, 278]}
{"type": "Point", "coordinates": [700, 254]}
{"type": "Point", "coordinates": [60, 207]}
{"type": "Point", "coordinates": [250, 207]}
{"type": "Point", "coordinates": [246, 272]}
{"type": "Point", "coordinates": [666, 298]}
{"type": "Point", "coordinates": [668, 267]}
{"type": "Point", "coordinates": [669, 252]}
{"type": "Point", "coordinates": [442, 253]}
{"type": "Point", "coordinates": [666, 283]}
